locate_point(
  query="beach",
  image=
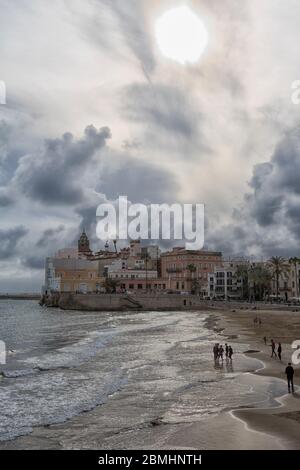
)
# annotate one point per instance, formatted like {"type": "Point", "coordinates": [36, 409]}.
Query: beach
{"type": "Point", "coordinates": [282, 422]}
{"type": "Point", "coordinates": [148, 381]}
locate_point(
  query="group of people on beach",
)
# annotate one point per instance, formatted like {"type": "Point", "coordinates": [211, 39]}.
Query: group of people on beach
{"type": "Point", "coordinates": [273, 348]}
{"type": "Point", "coordinates": [219, 351]}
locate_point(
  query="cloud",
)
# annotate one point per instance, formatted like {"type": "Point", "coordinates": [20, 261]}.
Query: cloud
{"type": "Point", "coordinates": [49, 235]}
{"type": "Point", "coordinates": [133, 25]}
{"type": "Point", "coordinates": [9, 241]}
{"type": "Point", "coordinates": [170, 118]}
{"type": "Point", "coordinates": [139, 180]}
{"type": "Point", "coordinates": [268, 222]}
{"type": "Point", "coordinates": [34, 262]}
{"type": "Point", "coordinates": [6, 199]}
{"type": "Point", "coordinates": [54, 176]}
{"type": "Point", "coordinates": [276, 185]}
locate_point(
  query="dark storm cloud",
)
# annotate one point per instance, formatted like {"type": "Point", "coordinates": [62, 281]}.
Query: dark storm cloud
{"type": "Point", "coordinates": [9, 240]}
{"type": "Point", "coordinates": [49, 235]}
{"type": "Point", "coordinates": [286, 161]}
{"type": "Point", "coordinates": [34, 262]}
{"type": "Point", "coordinates": [5, 199]}
{"type": "Point", "coordinates": [140, 182]}
{"type": "Point", "coordinates": [4, 133]}
{"type": "Point", "coordinates": [88, 217]}
{"type": "Point", "coordinates": [123, 175]}
{"type": "Point", "coordinates": [276, 184]}
{"type": "Point", "coordinates": [48, 243]}
{"type": "Point", "coordinates": [88, 222]}
{"type": "Point", "coordinates": [269, 219]}
{"type": "Point", "coordinates": [54, 176]}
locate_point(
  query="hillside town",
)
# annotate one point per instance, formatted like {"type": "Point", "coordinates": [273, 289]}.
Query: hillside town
{"type": "Point", "coordinates": [146, 269]}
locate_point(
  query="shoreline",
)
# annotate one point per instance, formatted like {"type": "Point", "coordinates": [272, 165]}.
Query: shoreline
{"type": "Point", "coordinates": [282, 421]}
{"type": "Point", "coordinates": [273, 428]}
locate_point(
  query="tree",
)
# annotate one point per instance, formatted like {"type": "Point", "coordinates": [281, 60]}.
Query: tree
{"type": "Point", "coordinates": [192, 269]}
{"type": "Point", "coordinates": [197, 285]}
{"type": "Point", "coordinates": [242, 273]}
{"type": "Point", "coordinates": [259, 279]}
{"type": "Point", "coordinates": [111, 285]}
{"type": "Point", "coordinates": [278, 267]}
{"type": "Point", "coordinates": [295, 261]}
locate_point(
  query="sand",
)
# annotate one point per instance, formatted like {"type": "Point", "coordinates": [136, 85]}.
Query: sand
{"type": "Point", "coordinates": [282, 422]}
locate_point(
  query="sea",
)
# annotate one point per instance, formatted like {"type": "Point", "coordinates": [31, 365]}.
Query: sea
{"type": "Point", "coordinates": [136, 368]}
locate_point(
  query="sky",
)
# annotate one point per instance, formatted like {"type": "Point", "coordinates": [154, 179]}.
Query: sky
{"type": "Point", "coordinates": [94, 110]}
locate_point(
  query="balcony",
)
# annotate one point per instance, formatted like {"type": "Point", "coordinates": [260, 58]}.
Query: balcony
{"type": "Point", "coordinates": [174, 270]}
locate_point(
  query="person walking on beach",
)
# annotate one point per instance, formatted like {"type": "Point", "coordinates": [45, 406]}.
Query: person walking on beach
{"type": "Point", "coordinates": [230, 353]}
{"type": "Point", "coordinates": [279, 350]}
{"type": "Point", "coordinates": [226, 350]}
{"type": "Point", "coordinates": [216, 351]}
{"type": "Point", "coordinates": [265, 340]}
{"type": "Point", "coordinates": [289, 371]}
{"type": "Point", "coordinates": [273, 346]}
{"type": "Point", "coordinates": [221, 352]}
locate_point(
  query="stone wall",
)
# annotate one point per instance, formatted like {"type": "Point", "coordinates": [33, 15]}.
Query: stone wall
{"type": "Point", "coordinates": [114, 302]}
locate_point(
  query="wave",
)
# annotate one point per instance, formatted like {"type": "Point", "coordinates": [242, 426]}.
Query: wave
{"type": "Point", "coordinates": [45, 399]}
{"type": "Point", "coordinates": [74, 355]}
{"type": "Point", "coordinates": [13, 374]}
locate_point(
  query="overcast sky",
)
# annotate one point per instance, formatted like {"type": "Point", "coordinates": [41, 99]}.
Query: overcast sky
{"type": "Point", "coordinates": [94, 110]}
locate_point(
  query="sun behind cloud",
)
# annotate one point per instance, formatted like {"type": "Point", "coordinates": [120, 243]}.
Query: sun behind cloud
{"type": "Point", "coordinates": [181, 35]}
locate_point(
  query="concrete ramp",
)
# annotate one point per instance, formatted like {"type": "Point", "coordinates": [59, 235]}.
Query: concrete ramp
{"type": "Point", "coordinates": [129, 302]}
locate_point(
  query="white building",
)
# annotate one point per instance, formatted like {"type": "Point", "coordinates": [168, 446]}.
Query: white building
{"type": "Point", "coordinates": [223, 283]}
{"type": "Point", "coordinates": [52, 282]}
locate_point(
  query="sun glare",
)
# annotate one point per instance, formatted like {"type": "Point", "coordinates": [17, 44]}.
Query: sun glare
{"type": "Point", "coordinates": [181, 35]}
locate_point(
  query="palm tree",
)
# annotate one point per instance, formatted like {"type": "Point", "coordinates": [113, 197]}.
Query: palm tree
{"type": "Point", "coordinates": [279, 267]}
{"type": "Point", "coordinates": [242, 273]}
{"type": "Point", "coordinates": [295, 261]}
{"type": "Point", "coordinates": [192, 269]}
{"type": "Point", "coordinates": [260, 278]}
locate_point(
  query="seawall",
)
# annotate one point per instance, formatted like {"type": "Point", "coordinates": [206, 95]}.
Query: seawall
{"type": "Point", "coordinates": [119, 302]}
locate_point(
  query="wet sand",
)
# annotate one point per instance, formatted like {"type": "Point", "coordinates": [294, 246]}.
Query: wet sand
{"type": "Point", "coordinates": [282, 422]}
{"type": "Point", "coordinates": [271, 428]}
